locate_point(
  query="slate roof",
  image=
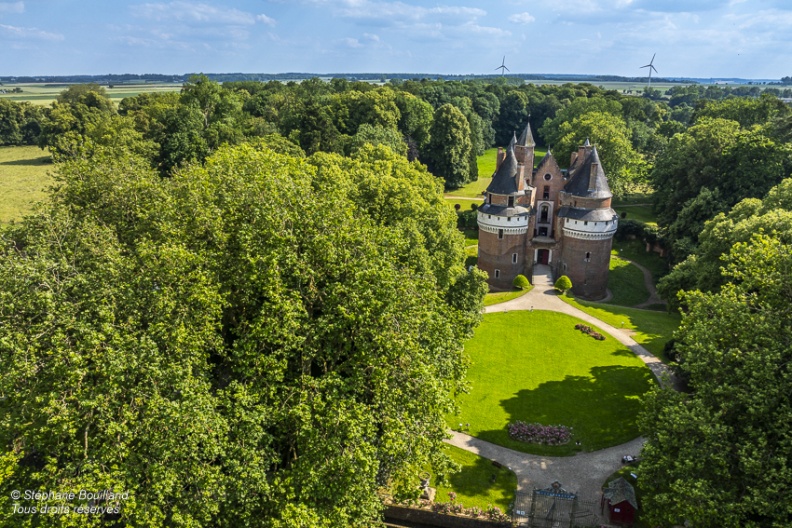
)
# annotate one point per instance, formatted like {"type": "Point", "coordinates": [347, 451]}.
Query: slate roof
{"type": "Point", "coordinates": [620, 490]}
{"type": "Point", "coordinates": [500, 210]}
{"type": "Point", "coordinates": [504, 181]}
{"type": "Point", "coordinates": [579, 177]}
{"type": "Point", "coordinates": [546, 159]}
{"type": "Point", "coordinates": [587, 215]}
{"type": "Point", "coordinates": [526, 138]}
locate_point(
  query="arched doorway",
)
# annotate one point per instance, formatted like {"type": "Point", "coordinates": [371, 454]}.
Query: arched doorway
{"type": "Point", "coordinates": [543, 257]}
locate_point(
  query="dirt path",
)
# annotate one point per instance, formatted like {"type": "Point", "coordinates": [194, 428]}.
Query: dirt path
{"type": "Point", "coordinates": [654, 298]}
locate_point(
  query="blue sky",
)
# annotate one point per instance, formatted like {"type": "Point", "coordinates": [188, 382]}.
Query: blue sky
{"type": "Point", "coordinates": [692, 38]}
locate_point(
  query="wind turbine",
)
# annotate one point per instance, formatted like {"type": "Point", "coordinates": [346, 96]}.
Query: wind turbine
{"type": "Point", "coordinates": [651, 67]}
{"type": "Point", "coordinates": [503, 66]}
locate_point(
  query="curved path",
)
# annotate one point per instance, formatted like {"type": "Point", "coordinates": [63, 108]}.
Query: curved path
{"type": "Point", "coordinates": [583, 473]}
{"type": "Point", "coordinates": [654, 298]}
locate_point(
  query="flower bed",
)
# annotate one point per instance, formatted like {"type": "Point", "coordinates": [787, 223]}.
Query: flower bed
{"type": "Point", "coordinates": [534, 433]}
{"type": "Point", "coordinates": [590, 331]}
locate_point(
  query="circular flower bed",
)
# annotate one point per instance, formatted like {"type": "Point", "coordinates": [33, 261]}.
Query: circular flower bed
{"type": "Point", "coordinates": [535, 433]}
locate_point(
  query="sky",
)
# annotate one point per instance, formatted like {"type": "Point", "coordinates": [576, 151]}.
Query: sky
{"type": "Point", "coordinates": [691, 38]}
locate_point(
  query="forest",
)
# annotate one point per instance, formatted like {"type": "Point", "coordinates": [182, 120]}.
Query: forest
{"type": "Point", "coordinates": [246, 302]}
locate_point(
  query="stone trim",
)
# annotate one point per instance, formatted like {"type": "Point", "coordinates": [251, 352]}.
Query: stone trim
{"type": "Point", "coordinates": [588, 235]}
{"type": "Point", "coordinates": [506, 230]}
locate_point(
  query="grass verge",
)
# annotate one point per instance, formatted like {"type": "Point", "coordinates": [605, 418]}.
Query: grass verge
{"type": "Point", "coordinates": [500, 297]}
{"type": "Point", "coordinates": [536, 367]}
{"type": "Point", "coordinates": [651, 329]}
{"type": "Point", "coordinates": [635, 250]}
{"type": "Point", "coordinates": [626, 283]}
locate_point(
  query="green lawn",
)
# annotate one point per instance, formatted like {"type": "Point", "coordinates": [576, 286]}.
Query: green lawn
{"type": "Point", "coordinates": [626, 283]}
{"type": "Point", "coordinates": [534, 366]}
{"type": "Point", "coordinates": [652, 329]}
{"type": "Point", "coordinates": [635, 250]}
{"type": "Point", "coordinates": [23, 180]}
{"type": "Point", "coordinates": [486, 167]}
{"type": "Point", "coordinates": [499, 297]}
{"type": "Point", "coordinates": [478, 483]}
{"type": "Point", "coordinates": [637, 206]}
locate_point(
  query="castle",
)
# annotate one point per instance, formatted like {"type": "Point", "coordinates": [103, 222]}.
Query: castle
{"type": "Point", "coordinates": [549, 216]}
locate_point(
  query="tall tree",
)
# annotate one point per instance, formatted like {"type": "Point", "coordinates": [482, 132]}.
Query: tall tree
{"type": "Point", "coordinates": [719, 457]}
{"type": "Point", "coordinates": [450, 147]}
{"type": "Point", "coordinates": [259, 341]}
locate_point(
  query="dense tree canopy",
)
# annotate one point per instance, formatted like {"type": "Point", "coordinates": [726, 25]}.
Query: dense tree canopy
{"type": "Point", "coordinates": [260, 341]}
{"type": "Point", "coordinates": [708, 169]}
{"type": "Point", "coordinates": [719, 457]}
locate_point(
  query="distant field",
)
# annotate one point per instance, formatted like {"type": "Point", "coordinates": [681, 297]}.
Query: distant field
{"type": "Point", "coordinates": [44, 94]}
{"type": "Point", "coordinates": [24, 176]}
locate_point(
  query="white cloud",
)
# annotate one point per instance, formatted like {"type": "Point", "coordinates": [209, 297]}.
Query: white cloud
{"type": "Point", "coordinates": [28, 33]}
{"type": "Point", "coordinates": [265, 19]}
{"type": "Point", "coordinates": [522, 18]}
{"type": "Point", "coordinates": [352, 43]}
{"type": "Point", "coordinates": [371, 36]}
{"type": "Point", "coordinates": [12, 7]}
{"type": "Point", "coordinates": [190, 12]}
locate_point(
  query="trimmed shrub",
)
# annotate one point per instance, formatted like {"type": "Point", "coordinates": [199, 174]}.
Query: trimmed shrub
{"type": "Point", "coordinates": [521, 282]}
{"type": "Point", "coordinates": [563, 283]}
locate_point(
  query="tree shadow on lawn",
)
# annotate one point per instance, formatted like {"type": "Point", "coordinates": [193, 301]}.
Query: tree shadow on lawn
{"type": "Point", "coordinates": [41, 160]}
{"type": "Point", "coordinates": [601, 410]}
{"type": "Point", "coordinates": [483, 479]}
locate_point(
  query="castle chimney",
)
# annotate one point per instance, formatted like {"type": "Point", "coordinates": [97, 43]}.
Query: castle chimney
{"type": "Point", "coordinates": [499, 158]}
{"type": "Point", "coordinates": [593, 176]}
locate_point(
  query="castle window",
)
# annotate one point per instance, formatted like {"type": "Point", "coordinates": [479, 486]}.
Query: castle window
{"type": "Point", "coordinates": [588, 256]}
{"type": "Point", "coordinates": [500, 233]}
{"type": "Point", "coordinates": [514, 258]}
{"type": "Point", "coordinates": [585, 223]}
{"type": "Point", "coordinates": [545, 212]}
{"type": "Point", "coordinates": [489, 217]}
{"type": "Point", "coordinates": [508, 218]}
{"type": "Point", "coordinates": [497, 274]}
{"type": "Point", "coordinates": [548, 177]}
{"type": "Point", "coordinates": [511, 201]}
{"type": "Point", "coordinates": [546, 193]}
{"type": "Point", "coordinates": [565, 266]}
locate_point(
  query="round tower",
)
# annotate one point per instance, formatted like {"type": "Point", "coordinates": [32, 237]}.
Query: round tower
{"type": "Point", "coordinates": [588, 224]}
{"type": "Point", "coordinates": [503, 222]}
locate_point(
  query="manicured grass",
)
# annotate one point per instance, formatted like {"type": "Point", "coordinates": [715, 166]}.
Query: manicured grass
{"type": "Point", "coordinates": [534, 366]}
{"type": "Point", "coordinates": [464, 203]}
{"type": "Point", "coordinates": [635, 250]}
{"type": "Point", "coordinates": [642, 213]}
{"type": "Point", "coordinates": [486, 163]}
{"type": "Point", "coordinates": [652, 329]}
{"type": "Point", "coordinates": [24, 176]}
{"type": "Point", "coordinates": [626, 283]}
{"type": "Point", "coordinates": [478, 483]}
{"type": "Point", "coordinates": [637, 206]}
{"type": "Point", "coordinates": [499, 297]}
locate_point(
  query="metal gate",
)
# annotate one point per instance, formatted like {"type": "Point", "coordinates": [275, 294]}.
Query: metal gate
{"type": "Point", "coordinates": [554, 507]}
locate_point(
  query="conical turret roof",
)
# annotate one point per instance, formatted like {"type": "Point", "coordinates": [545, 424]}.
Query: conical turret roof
{"type": "Point", "coordinates": [526, 138]}
{"type": "Point", "coordinates": [504, 181]}
{"type": "Point", "coordinates": [582, 182]}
